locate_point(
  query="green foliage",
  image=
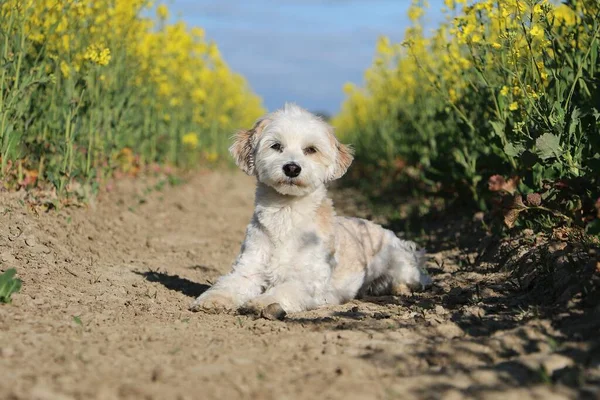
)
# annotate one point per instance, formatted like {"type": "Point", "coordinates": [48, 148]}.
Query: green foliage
{"type": "Point", "coordinates": [9, 285]}
{"type": "Point", "coordinates": [93, 88]}
{"type": "Point", "coordinates": [503, 100]}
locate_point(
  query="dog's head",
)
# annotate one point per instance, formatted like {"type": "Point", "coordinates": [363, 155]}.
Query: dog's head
{"type": "Point", "coordinates": [291, 150]}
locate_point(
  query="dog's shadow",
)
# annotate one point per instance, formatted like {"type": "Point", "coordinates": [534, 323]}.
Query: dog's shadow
{"type": "Point", "coordinates": [175, 282]}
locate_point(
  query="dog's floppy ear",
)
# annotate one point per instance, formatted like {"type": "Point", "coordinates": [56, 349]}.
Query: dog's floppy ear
{"type": "Point", "coordinates": [243, 146]}
{"type": "Point", "coordinates": [343, 158]}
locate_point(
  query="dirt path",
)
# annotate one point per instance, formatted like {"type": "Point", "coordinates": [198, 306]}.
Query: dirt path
{"type": "Point", "coordinates": [103, 315]}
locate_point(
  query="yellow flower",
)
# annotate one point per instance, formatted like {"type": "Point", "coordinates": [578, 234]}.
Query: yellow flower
{"type": "Point", "coordinates": [415, 12]}
{"type": "Point", "coordinates": [162, 12]}
{"type": "Point", "coordinates": [65, 69]}
{"type": "Point", "coordinates": [564, 15]}
{"type": "Point", "coordinates": [516, 90]}
{"type": "Point", "coordinates": [104, 56]}
{"type": "Point", "coordinates": [383, 46]}
{"type": "Point", "coordinates": [198, 95]}
{"type": "Point", "coordinates": [212, 156]}
{"type": "Point", "coordinates": [452, 95]}
{"type": "Point", "coordinates": [348, 88]}
{"type": "Point", "coordinates": [496, 45]}
{"type": "Point", "coordinates": [98, 55]}
{"type": "Point", "coordinates": [223, 119]}
{"type": "Point", "coordinates": [197, 32]}
{"type": "Point", "coordinates": [537, 31]}
{"type": "Point", "coordinates": [190, 140]}
{"type": "Point", "coordinates": [514, 106]}
{"type": "Point", "coordinates": [504, 91]}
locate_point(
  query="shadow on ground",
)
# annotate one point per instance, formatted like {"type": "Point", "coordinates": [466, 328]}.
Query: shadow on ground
{"type": "Point", "coordinates": [175, 282]}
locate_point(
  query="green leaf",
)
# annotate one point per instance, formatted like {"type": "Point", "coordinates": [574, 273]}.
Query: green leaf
{"type": "Point", "coordinates": [498, 128]}
{"type": "Point", "coordinates": [575, 120]}
{"type": "Point", "coordinates": [594, 228]}
{"type": "Point", "coordinates": [548, 146]}
{"type": "Point", "coordinates": [77, 320]}
{"type": "Point", "coordinates": [8, 285]}
{"type": "Point", "coordinates": [514, 149]}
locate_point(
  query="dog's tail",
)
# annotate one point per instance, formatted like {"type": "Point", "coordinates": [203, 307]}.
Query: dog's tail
{"type": "Point", "coordinates": [409, 265]}
{"type": "Point", "coordinates": [399, 265]}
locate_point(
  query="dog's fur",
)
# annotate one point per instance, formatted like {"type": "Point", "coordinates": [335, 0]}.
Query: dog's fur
{"type": "Point", "coordinates": [297, 252]}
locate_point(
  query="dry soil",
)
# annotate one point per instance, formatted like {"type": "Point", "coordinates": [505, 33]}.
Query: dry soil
{"type": "Point", "coordinates": [103, 315]}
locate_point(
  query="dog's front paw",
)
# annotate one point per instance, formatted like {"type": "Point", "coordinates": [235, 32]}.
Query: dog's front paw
{"type": "Point", "coordinates": [213, 303]}
{"type": "Point", "coordinates": [264, 307]}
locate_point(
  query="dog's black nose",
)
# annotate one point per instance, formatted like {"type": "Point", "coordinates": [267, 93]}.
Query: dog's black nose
{"type": "Point", "coordinates": [291, 169]}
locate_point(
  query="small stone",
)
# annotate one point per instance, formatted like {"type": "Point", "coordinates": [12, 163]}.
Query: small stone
{"type": "Point", "coordinates": [440, 310]}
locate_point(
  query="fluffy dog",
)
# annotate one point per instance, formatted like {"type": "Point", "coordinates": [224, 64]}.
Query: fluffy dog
{"type": "Point", "coordinates": [297, 254]}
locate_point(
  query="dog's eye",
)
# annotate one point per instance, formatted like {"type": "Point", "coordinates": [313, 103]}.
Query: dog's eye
{"type": "Point", "coordinates": [276, 146]}
{"type": "Point", "coordinates": [310, 150]}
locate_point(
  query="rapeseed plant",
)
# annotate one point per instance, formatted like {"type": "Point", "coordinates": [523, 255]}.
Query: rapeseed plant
{"type": "Point", "coordinates": [502, 88]}
{"type": "Point", "coordinates": [83, 80]}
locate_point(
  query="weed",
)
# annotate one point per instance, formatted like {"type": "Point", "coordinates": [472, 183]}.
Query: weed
{"type": "Point", "coordinates": [239, 322]}
{"type": "Point", "coordinates": [9, 285]}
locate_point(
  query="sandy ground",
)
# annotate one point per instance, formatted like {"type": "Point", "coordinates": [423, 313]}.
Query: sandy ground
{"type": "Point", "coordinates": [103, 315]}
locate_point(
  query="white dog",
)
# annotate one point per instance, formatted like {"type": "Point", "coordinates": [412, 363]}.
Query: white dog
{"type": "Point", "coordinates": [297, 255]}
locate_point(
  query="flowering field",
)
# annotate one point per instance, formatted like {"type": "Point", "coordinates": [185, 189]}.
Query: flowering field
{"type": "Point", "coordinates": [91, 87]}
{"type": "Point", "coordinates": [499, 107]}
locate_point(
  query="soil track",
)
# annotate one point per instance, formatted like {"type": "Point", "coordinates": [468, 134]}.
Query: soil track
{"type": "Point", "coordinates": [103, 315]}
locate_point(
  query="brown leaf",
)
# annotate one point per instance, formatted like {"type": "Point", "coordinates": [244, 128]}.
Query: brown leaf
{"type": "Point", "coordinates": [514, 206]}
{"type": "Point", "coordinates": [511, 216]}
{"type": "Point", "coordinates": [518, 202]}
